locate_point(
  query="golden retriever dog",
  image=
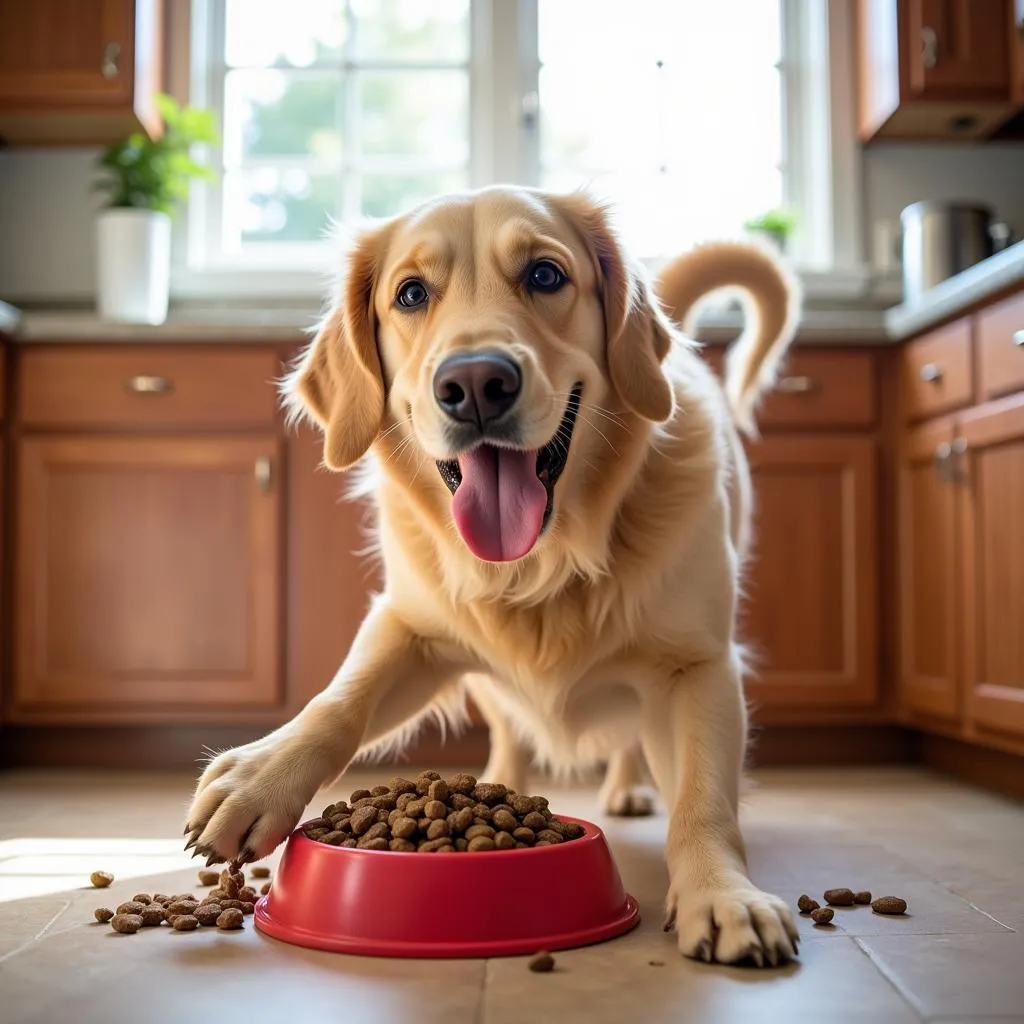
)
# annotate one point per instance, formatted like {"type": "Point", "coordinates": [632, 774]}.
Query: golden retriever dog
{"type": "Point", "coordinates": [563, 509]}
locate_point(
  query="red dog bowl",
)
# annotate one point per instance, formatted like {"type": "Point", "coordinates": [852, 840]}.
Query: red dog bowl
{"type": "Point", "coordinates": [499, 903]}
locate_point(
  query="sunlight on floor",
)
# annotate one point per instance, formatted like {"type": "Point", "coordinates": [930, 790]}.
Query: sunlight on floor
{"type": "Point", "coordinates": [39, 866]}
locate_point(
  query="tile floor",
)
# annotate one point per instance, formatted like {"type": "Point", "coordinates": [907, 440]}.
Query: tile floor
{"type": "Point", "coordinates": [956, 854]}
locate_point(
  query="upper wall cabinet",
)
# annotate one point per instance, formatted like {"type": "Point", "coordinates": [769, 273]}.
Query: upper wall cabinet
{"type": "Point", "coordinates": [78, 71]}
{"type": "Point", "coordinates": [936, 69]}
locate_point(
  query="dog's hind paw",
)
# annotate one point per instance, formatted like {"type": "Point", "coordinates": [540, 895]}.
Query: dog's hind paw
{"type": "Point", "coordinates": [626, 801]}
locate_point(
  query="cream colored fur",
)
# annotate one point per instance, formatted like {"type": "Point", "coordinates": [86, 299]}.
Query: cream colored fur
{"type": "Point", "coordinates": [614, 639]}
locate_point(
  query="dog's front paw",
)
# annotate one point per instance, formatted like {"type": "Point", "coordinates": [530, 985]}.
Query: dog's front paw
{"type": "Point", "coordinates": [733, 925]}
{"type": "Point", "coordinates": [249, 799]}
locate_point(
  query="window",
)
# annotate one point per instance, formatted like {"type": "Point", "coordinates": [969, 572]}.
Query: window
{"type": "Point", "coordinates": [690, 116]}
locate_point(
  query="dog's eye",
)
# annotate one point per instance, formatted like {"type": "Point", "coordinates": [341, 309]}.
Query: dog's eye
{"type": "Point", "coordinates": [545, 276]}
{"type": "Point", "coordinates": [412, 294]}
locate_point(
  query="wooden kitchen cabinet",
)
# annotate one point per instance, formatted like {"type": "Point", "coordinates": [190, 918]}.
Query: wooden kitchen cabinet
{"type": "Point", "coordinates": [927, 553]}
{"type": "Point", "coordinates": [813, 578]}
{"type": "Point", "coordinates": [78, 71]}
{"type": "Point", "coordinates": [148, 577]}
{"type": "Point", "coordinates": [991, 494]}
{"type": "Point", "coordinates": [933, 68]}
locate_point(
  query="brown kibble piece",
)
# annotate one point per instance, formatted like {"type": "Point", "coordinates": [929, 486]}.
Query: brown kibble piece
{"type": "Point", "coordinates": [479, 830]}
{"type": "Point", "coordinates": [403, 828]}
{"type": "Point", "coordinates": [823, 915]}
{"type": "Point", "coordinates": [461, 820]}
{"type": "Point", "coordinates": [541, 963]}
{"type": "Point", "coordinates": [862, 898]}
{"type": "Point", "coordinates": [400, 845]}
{"type": "Point", "coordinates": [334, 838]}
{"type": "Point", "coordinates": [376, 843]}
{"type": "Point", "coordinates": [130, 907]}
{"type": "Point", "coordinates": [350, 843]}
{"type": "Point", "coordinates": [573, 830]}
{"type": "Point", "coordinates": [504, 841]}
{"type": "Point", "coordinates": [378, 831]}
{"type": "Point", "coordinates": [414, 809]}
{"type": "Point", "coordinates": [524, 835]}
{"type": "Point", "coordinates": [248, 908]}
{"type": "Point", "coordinates": [153, 916]}
{"type": "Point", "coordinates": [126, 924]}
{"type": "Point", "coordinates": [459, 801]}
{"type": "Point", "coordinates": [101, 879]}
{"type": "Point", "coordinates": [439, 791]}
{"type": "Point", "coordinates": [461, 844]}
{"type": "Point", "coordinates": [506, 821]}
{"type": "Point", "coordinates": [142, 897]}
{"type": "Point", "coordinates": [185, 923]}
{"type": "Point", "coordinates": [807, 904]}
{"type": "Point", "coordinates": [480, 844]}
{"type": "Point", "coordinates": [401, 787]}
{"type": "Point", "coordinates": [359, 794]}
{"type": "Point", "coordinates": [490, 793]}
{"type": "Point", "coordinates": [103, 914]}
{"type": "Point", "coordinates": [182, 907]}
{"type": "Point", "coordinates": [839, 897]}
{"type": "Point", "coordinates": [889, 905]}
{"type": "Point", "coordinates": [483, 812]}
{"type": "Point", "coordinates": [363, 819]}
{"type": "Point", "coordinates": [265, 888]}
{"type": "Point", "coordinates": [435, 810]}
{"type": "Point", "coordinates": [462, 783]}
{"type": "Point", "coordinates": [207, 913]}
{"type": "Point", "coordinates": [535, 820]}
{"type": "Point", "coordinates": [438, 829]}
{"type": "Point", "coordinates": [522, 805]}
{"type": "Point", "coordinates": [433, 845]}
{"type": "Point", "coordinates": [209, 877]}
{"type": "Point", "coordinates": [247, 894]}
{"type": "Point", "coordinates": [380, 791]}
{"type": "Point", "coordinates": [231, 905]}
{"type": "Point", "coordinates": [549, 835]}
{"type": "Point", "coordinates": [259, 871]}
{"type": "Point", "coordinates": [230, 919]}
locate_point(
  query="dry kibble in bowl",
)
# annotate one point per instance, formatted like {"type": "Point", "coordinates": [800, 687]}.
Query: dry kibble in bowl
{"type": "Point", "coordinates": [101, 879]}
{"type": "Point", "coordinates": [434, 814]}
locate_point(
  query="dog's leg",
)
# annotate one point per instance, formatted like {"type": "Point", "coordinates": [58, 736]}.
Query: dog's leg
{"type": "Point", "coordinates": [621, 793]}
{"type": "Point", "coordinates": [694, 742]}
{"type": "Point", "coordinates": [249, 799]}
{"type": "Point", "coordinates": [509, 760]}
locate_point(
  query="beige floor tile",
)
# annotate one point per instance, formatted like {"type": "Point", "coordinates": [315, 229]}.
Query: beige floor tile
{"type": "Point", "coordinates": [611, 984]}
{"type": "Point", "coordinates": [950, 975]}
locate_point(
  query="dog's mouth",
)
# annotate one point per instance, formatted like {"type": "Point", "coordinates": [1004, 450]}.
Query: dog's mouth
{"type": "Point", "coordinates": [503, 497]}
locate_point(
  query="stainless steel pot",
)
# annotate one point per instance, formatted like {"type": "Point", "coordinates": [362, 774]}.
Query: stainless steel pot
{"type": "Point", "coordinates": [940, 239]}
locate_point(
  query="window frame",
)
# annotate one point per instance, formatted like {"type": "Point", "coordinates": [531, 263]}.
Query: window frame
{"type": "Point", "coordinates": [822, 177]}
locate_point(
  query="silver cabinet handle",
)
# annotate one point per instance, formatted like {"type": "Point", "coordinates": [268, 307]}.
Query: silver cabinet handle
{"type": "Point", "coordinates": [147, 384]}
{"type": "Point", "coordinates": [931, 373]}
{"type": "Point", "coordinates": [263, 472]}
{"type": "Point", "coordinates": [111, 56]}
{"type": "Point", "coordinates": [929, 48]}
{"type": "Point", "coordinates": [796, 385]}
{"type": "Point", "coordinates": [1018, 339]}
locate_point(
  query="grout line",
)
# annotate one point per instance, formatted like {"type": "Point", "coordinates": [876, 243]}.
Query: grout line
{"type": "Point", "coordinates": [478, 1017]}
{"type": "Point", "coordinates": [38, 937]}
{"type": "Point", "coordinates": [906, 996]}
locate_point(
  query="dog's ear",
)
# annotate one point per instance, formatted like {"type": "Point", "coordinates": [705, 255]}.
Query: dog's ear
{"type": "Point", "coordinates": [638, 333]}
{"type": "Point", "coordinates": [338, 382]}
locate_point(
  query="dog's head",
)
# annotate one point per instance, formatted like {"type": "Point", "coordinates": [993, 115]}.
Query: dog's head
{"type": "Point", "coordinates": [501, 337]}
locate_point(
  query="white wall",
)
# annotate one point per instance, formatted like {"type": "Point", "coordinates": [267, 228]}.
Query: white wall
{"type": "Point", "coordinates": [46, 209]}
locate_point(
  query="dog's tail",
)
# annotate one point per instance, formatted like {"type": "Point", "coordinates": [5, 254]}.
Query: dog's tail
{"type": "Point", "coordinates": [771, 297]}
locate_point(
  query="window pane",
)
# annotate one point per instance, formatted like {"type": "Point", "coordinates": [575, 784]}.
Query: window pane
{"type": "Point", "coordinates": [259, 33]}
{"type": "Point", "coordinates": [271, 204]}
{"type": "Point", "coordinates": [412, 30]}
{"type": "Point", "coordinates": [275, 113]}
{"type": "Point", "coordinates": [681, 129]}
{"type": "Point", "coordinates": [422, 114]}
{"type": "Point", "coordinates": [386, 194]}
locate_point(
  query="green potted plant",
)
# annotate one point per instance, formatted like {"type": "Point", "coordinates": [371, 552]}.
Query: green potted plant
{"type": "Point", "coordinates": [777, 224]}
{"type": "Point", "coordinates": [143, 181]}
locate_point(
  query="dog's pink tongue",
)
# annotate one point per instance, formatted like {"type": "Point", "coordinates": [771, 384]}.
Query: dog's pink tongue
{"type": "Point", "coordinates": [499, 506]}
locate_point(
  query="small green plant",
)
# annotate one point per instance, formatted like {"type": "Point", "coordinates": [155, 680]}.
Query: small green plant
{"type": "Point", "coordinates": [153, 174]}
{"type": "Point", "coordinates": [779, 223]}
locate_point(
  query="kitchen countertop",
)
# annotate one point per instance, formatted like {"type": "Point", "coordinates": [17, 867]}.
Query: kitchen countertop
{"type": "Point", "coordinates": [292, 324]}
{"type": "Point", "coordinates": [950, 298]}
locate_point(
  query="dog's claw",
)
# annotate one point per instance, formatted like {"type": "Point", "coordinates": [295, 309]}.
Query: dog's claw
{"type": "Point", "coordinates": [704, 951]}
{"type": "Point", "coordinates": [756, 955]}
{"type": "Point", "coordinates": [192, 842]}
{"type": "Point", "coordinates": [188, 828]}
{"type": "Point", "coordinates": [245, 857]}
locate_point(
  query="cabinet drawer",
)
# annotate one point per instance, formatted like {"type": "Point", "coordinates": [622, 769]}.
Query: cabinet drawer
{"type": "Point", "coordinates": [1001, 348]}
{"type": "Point", "coordinates": [148, 387]}
{"type": "Point", "coordinates": [936, 372]}
{"type": "Point", "coordinates": [833, 388]}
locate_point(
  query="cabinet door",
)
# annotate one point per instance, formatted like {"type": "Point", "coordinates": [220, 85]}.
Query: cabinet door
{"type": "Point", "coordinates": [148, 576]}
{"type": "Point", "coordinates": [813, 578]}
{"type": "Point", "coordinates": [956, 49]}
{"type": "Point", "coordinates": [929, 614]}
{"type": "Point", "coordinates": [1017, 51]}
{"type": "Point", "coordinates": [66, 52]}
{"type": "Point", "coordinates": [992, 496]}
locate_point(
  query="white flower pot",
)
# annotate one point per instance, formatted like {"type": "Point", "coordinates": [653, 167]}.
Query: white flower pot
{"type": "Point", "coordinates": [133, 265]}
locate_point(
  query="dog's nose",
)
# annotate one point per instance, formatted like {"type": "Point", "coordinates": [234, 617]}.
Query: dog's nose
{"type": "Point", "coordinates": [477, 387]}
